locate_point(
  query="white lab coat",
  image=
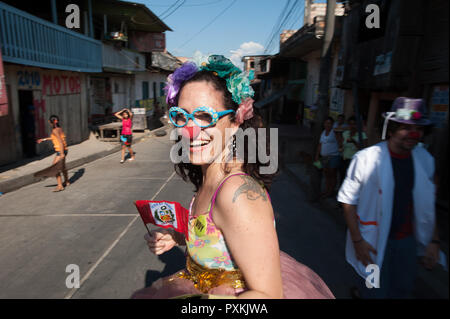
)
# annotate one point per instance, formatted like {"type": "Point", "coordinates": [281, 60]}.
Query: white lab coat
{"type": "Point", "coordinates": [369, 185]}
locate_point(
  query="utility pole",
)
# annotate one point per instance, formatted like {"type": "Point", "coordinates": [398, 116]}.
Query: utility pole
{"type": "Point", "coordinates": [324, 75]}
{"type": "Point", "coordinates": [324, 84]}
{"type": "Point", "coordinates": [307, 12]}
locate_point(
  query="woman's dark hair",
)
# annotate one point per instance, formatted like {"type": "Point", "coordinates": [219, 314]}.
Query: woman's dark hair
{"type": "Point", "coordinates": [54, 120]}
{"type": "Point", "coordinates": [351, 118]}
{"type": "Point", "coordinates": [194, 173]}
{"type": "Point", "coordinates": [329, 118]}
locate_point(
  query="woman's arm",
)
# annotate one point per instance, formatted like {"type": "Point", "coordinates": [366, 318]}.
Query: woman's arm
{"type": "Point", "coordinates": [319, 148]}
{"type": "Point", "coordinates": [43, 139]}
{"type": "Point", "coordinates": [244, 215]}
{"type": "Point", "coordinates": [117, 114]}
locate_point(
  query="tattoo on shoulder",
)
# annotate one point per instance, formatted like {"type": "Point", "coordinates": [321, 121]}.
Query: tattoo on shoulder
{"type": "Point", "coordinates": [251, 189]}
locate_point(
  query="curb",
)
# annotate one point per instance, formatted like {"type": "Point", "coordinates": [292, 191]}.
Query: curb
{"type": "Point", "coordinates": [21, 181]}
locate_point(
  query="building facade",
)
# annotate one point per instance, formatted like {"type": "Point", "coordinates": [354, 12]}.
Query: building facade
{"type": "Point", "coordinates": [45, 68]}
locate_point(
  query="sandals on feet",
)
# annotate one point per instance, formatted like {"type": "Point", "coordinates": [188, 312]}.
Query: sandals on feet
{"type": "Point", "coordinates": [58, 190]}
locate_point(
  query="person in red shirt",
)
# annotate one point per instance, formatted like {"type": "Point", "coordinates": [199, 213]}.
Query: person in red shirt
{"type": "Point", "coordinates": [126, 136]}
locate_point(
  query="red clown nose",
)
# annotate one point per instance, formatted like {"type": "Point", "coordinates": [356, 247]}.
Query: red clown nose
{"type": "Point", "coordinates": [414, 135]}
{"type": "Point", "coordinates": [190, 132]}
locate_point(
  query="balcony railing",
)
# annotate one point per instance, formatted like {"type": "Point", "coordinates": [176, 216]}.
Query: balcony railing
{"type": "Point", "coordinates": [122, 60]}
{"type": "Point", "coordinates": [27, 39]}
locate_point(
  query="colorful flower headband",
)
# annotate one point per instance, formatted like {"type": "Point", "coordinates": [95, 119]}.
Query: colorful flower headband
{"type": "Point", "coordinates": [238, 84]}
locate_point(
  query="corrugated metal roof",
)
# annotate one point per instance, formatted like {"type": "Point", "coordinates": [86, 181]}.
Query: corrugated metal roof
{"type": "Point", "coordinates": [165, 61]}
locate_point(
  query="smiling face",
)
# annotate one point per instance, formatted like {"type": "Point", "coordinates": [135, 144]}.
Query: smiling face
{"type": "Point", "coordinates": [207, 143]}
{"type": "Point", "coordinates": [328, 125]}
{"type": "Point", "coordinates": [406, 137]}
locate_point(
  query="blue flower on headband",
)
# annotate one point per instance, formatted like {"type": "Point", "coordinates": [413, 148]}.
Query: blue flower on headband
{"type": "Point", "coordinates": [220, 65]}
{"type": "Point", "coordinates": [239, 86]}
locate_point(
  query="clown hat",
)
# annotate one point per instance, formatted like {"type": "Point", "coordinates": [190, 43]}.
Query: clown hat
{"type": "Point", "coordinates": [406, 110]}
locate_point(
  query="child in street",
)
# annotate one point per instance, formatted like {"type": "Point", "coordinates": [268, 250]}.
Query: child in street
{"type": "Point", "coordinates": [127, 135]}
{"type": "Point", "coordinates": [58, 139]}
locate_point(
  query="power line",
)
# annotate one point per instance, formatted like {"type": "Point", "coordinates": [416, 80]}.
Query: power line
{"type": "Point", "coordinates": [276, 25]}
{"type": "Point", "coordinates": [207, 25]}
{"type": "Point", "coordinates": [168, 9]}
{"type": "Point", "coordinates": [189, 5]}
{"type": "Point", "coordinates": [276, 33]}
{"type": "Point", "coordinates": [297, 17]}
{"type": "Point", "coordinates": [170, 13]}
{"type": "Point", "coordinates": [281, 24]}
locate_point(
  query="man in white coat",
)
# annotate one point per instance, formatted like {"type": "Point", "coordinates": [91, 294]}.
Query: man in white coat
{"type": "Point", "coordinates": [388, 197]}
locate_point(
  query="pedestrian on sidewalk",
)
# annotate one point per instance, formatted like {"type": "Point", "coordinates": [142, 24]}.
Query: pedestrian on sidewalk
{"type": "Point", "coordinates": [58, 139]}
{"type": "Point", "coordinates": [340, 124]}
{"type": "Point", "coordinates": [350, 145]}
{"type": "Point", "coordinates": [126, 136]}
{"type": "Point", "coordinates": [328, 154]}
{"type": "Point", "coordinates": [388, 198]}
{"type": "Point", "coordinates": [231, 212]}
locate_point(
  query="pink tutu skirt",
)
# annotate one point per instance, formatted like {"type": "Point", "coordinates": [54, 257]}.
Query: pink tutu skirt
{"type": "Point", "coordinates": [299, 282]}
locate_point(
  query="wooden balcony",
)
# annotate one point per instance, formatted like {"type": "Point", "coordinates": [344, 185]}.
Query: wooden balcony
{"type": "Point", "coordinates": [29, 40]}
{"type": "Point", "coordinates": [122, 60]}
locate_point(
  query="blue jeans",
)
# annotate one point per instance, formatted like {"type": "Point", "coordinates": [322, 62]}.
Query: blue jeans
{"type": "Point", "coordinates": [398, 272]}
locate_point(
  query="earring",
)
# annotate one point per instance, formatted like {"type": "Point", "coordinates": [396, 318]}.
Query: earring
{"type": "Point", "coordinates": [234, 143]}
{"type": "Point", "coordinates": [232, 148]}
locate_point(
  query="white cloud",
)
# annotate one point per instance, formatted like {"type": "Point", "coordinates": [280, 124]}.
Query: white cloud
{"type": "Point", "coordinates": [246, 48]}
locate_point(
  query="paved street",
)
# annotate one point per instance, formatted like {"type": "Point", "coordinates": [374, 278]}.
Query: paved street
{"type": "Point", "coordinates": [95, 225]}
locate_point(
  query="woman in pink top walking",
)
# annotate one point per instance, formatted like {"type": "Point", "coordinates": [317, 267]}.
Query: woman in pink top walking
{"type": "Point", "coordinates": [126, 136]}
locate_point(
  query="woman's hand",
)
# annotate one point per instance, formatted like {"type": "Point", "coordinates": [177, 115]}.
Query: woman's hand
{"type": "Point", "coordinates": [161, 240]}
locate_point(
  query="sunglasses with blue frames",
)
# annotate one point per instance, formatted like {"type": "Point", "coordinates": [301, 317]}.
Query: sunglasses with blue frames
{"type": "Point", "coordinates": [202, 116]}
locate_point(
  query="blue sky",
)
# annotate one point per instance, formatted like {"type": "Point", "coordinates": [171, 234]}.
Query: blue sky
{"type": "Point", "coordinates": [243, 29]}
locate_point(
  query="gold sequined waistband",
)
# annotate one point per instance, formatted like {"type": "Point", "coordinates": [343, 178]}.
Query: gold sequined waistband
{"type": "Point", "coordinates": [205, 278]}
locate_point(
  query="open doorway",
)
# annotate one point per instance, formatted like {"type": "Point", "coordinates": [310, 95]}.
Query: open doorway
{"type": "Point", "coordinates": [27, 123]}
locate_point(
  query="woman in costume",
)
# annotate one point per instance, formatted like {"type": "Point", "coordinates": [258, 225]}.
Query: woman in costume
{"type": "Point", "coordinates": [58, 139]}
{"type": "Point", "coordinates": [126, 136]}
{"type": "Point", "coordinates": [232, 245]}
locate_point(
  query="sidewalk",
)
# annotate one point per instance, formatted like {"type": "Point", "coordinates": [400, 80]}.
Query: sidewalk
{"type": "Point", "coordinates": [17, 175]}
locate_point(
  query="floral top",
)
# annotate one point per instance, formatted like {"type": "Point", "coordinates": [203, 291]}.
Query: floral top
{"type": "Point", "coordinates": [206, 244]}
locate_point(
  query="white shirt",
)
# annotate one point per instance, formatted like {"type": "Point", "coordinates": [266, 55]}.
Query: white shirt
{"type": "Point", "coordinates": [369, 185]}
{"type": "Point", "coordinates": [329, 143]}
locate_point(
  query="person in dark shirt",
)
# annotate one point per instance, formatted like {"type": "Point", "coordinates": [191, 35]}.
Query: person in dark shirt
{"type": "Point", "coordinates": [404, 126]}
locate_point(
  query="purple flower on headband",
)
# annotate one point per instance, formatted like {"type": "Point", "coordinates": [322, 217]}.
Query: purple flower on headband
{"type": "Point", "coordinates": [174, 80]}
